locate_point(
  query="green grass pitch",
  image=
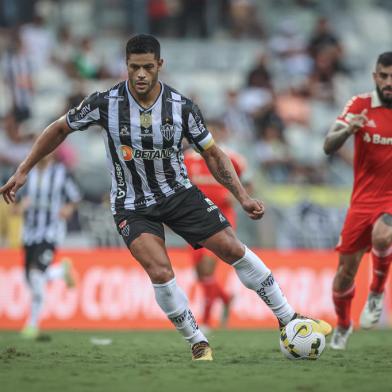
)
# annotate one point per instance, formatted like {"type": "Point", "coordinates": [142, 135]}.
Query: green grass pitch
{"type": "Point", "coordinates": [160, 362]}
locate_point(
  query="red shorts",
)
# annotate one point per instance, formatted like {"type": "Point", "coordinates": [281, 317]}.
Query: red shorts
{"type": "Point", "coordinates": [199, 254]}
{"type": "Point", "coordinates": [356, 234]}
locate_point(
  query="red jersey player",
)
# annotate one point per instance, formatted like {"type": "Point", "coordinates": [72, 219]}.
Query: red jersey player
{"type": "Point", "coordinates": [204, 261]}
{"type": "Point", "coordinates": [368, 224]}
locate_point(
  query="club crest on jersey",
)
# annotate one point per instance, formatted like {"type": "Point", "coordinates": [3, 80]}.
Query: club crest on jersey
{"type": "Point", "coordinates": [167, 131]}
{"type": "Point", "coordinates": [145, 120]}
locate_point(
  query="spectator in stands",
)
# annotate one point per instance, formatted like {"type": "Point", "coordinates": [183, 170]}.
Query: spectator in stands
{"type": "Point", "coordinates": [87, 61]}
{"type": "Point", "coordinates": [259, 75]}
{"type": "Point", "coordinates": [17, 72]}
{"type": "Point", "coordinates": [38, 41]}
{"type": "Point", "coordinates": [272, 154]}
{"type": "Point", "coordinates": [14, 146]}
{"type": "Point", "coordinates": [244, 21]}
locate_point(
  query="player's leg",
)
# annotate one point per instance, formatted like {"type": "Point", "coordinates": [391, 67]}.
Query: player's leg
{"type": "Point", "coordinates": [38, 258]}
{"type": "Point", "coordinates": [62, 270]}
{"type": "Point", "coordinates": [381, 257]}
{"type": "Point", "coordinates": [252, 272]}
{"type": "Point", "coordinates": [205, 265]}
{"type": "Point", "coordinates": [343, 290]}
{"type": "Point", "coordinates": [150, 251]}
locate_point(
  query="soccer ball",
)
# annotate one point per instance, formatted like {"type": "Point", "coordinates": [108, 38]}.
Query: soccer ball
{"type": "Point", "coordinates": [302, 339]}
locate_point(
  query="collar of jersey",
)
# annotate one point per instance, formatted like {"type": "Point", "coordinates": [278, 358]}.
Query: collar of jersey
{"type": "Point", "coordinates": [375, 99]}
{"type": "Point", "coordinates": [133, 99]}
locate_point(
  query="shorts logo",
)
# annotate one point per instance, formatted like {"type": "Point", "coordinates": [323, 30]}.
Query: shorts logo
{"type": "Point", "coordinates": [125, 231]}
{"type": "Point", "coordinates": [126, 153]}
{"type": "Point", "coordinates": [167, 131]}
{"type": "Point", "coordinates": [221, 218]}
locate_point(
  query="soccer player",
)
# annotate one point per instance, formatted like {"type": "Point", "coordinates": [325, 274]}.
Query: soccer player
{"type": "Point", "coordinates": [203, 260]}
{"type": "Point", "coordinates": [368, 224]}
{"type": "Point", "coordinates": [49, 198]}
{"type": "Point", "coordinates": [144, 122]}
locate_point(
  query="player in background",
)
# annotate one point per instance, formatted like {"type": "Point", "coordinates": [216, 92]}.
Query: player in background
{"type": "Point", "coordinates": [144, 122]}
{"type": "Point", "coordinates": [368, 223]}
{"type": "Point", "coordinates": [48, 200]}
{"type": "Point", "coordinates": [203, 260]}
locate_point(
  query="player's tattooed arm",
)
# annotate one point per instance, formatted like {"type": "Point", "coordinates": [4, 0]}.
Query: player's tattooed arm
{"type": "Point", "coordinates": [222, 169]}
{"type": "Point", "coordinates": [339, 133]}
{"type": "Point", "coordinates": [335, 138]}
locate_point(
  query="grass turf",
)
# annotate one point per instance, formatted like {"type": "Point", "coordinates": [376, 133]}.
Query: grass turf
{"type": "Point", "coordinates": [160, 361]}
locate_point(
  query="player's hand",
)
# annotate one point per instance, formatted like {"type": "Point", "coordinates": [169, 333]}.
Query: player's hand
{"type": "Point", "coordinates": [9, 189]}
{"type": "Point", "coordinates": [254, 208]}
{"type": "Point", "coordinates": [358, 121]}
{"type": "Point", "coordinates": [66, 211]}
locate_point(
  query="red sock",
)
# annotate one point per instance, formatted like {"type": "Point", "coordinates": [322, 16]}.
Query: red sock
{"type": "Point", "coordinates": [342, 301]}
{"type": "Point", "coordinates": [212, 291]}
{"type": "Point", "coordinates": [381, 264]}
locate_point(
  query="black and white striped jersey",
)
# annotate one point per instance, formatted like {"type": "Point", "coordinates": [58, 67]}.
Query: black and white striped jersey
{"type": "Point", "coordinates": [44, 194]}
{"type": "Point", "coordinates": [143, 146]}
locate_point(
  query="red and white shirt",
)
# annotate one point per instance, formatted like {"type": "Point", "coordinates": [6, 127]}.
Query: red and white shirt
{"type": "Point", "coordinates": [372, 151]}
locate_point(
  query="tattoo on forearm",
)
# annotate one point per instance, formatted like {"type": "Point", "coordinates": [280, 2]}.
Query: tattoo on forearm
{"type": "Point", "coordinates": [387, 219]}
{"type": "Point", "coordinates": [336, 140]}
{"type": "Point", "coordinates": [224, 176]}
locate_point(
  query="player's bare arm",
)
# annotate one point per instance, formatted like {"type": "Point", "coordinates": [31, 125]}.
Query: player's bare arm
{"type": "Point", "coordinates": [223, 171]}
{"type": "Point", "coordinates": [339, 133]}
{"type": "Point", "coordinates": [48, 141]}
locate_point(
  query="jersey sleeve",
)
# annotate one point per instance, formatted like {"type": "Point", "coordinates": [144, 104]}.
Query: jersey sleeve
{"type": "Point", "coordinates": [86, 114]}
{"type": "Point", "coordinates": [354, 106]}
{"type": "Point", "coordinates": [196, 131]}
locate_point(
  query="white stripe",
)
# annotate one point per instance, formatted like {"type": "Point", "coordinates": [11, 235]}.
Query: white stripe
{"type": "Point", "coordinates": [137, 143]}
{"type": "Point", "coordinates": [178, 164]}
{"type": "Point", "coordinates": [114, 133]}
{"type": "Point", "coordinates": [31, 195]}
{"type": "Point", "coordinates": [158, 145]}
{"type": "Point", "coordinates": [109, 162]}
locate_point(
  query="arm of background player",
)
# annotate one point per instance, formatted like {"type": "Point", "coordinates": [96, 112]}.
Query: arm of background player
{"type": "Point", "coordinates": [223, 171]}
{"type": "Point", "coordinates": [50, 138]}
{"type": "Point", "coordinates": [339, 132]}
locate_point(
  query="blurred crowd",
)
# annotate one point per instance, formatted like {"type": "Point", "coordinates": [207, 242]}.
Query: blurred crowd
{"type": "Point", "coordinates": [279, 114]}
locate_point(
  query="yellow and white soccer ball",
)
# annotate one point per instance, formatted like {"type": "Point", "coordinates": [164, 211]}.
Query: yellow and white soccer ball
{"type": "Point", "coordinates": [302, 339]}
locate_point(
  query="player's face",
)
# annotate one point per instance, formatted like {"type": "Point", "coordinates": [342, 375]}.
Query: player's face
{"type": "Point", "coordinates": [383, 79]}
{"type": "Point", "coordinates": [143, 72]}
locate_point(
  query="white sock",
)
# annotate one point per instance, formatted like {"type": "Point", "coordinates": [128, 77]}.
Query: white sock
{"type": "Point", "coordinates": [37, 282]}
{"type": "Point", "coordinates": [255, 275]}
{"type": "Point", "coordinates": [55, 272]}
{"type": "Point", "coordinates": [174, 302]}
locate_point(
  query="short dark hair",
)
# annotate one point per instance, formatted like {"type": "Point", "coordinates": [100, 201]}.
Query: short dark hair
{"type": "Point", "coordinates": [385, 59]}
{"type": "Point", "coordinates": [143, 43]}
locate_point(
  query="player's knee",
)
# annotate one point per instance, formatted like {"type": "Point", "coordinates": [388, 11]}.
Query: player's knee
{"type": "Point", "coordinates": [160, 274]}
{"type": "Point", "coordinates": [231, 251]}
{"type": "Point", "coordinates": [381, 242]}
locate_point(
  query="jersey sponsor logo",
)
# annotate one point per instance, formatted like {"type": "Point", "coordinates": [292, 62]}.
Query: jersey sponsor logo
{"type": "Point", "coordinates": [167, 131]}
{"type": "Point", "coordinates": [118, 97]}
{"type": "Point", "coordinates": [84, 111]}
{"type": "Point", "coordinates": [124, 130]}
{"type": "Point", "coordinates": [120, 181]}
{"type": "Point", "coordinates": [377, 139]}
{"type": "Point", "coordinates": [146, 132]}
{"type": "Point", "coordinates": [128, 153]}
{"type": "Point", "coordinates": [172, 100]}
{"type": "Point", "coordinates": [145, 120]}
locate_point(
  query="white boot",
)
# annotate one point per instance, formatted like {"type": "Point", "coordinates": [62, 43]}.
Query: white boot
{"type": "Point", "coordinates": [340, 337]}
{"type": "Point", "coordinates": [371, 313]}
